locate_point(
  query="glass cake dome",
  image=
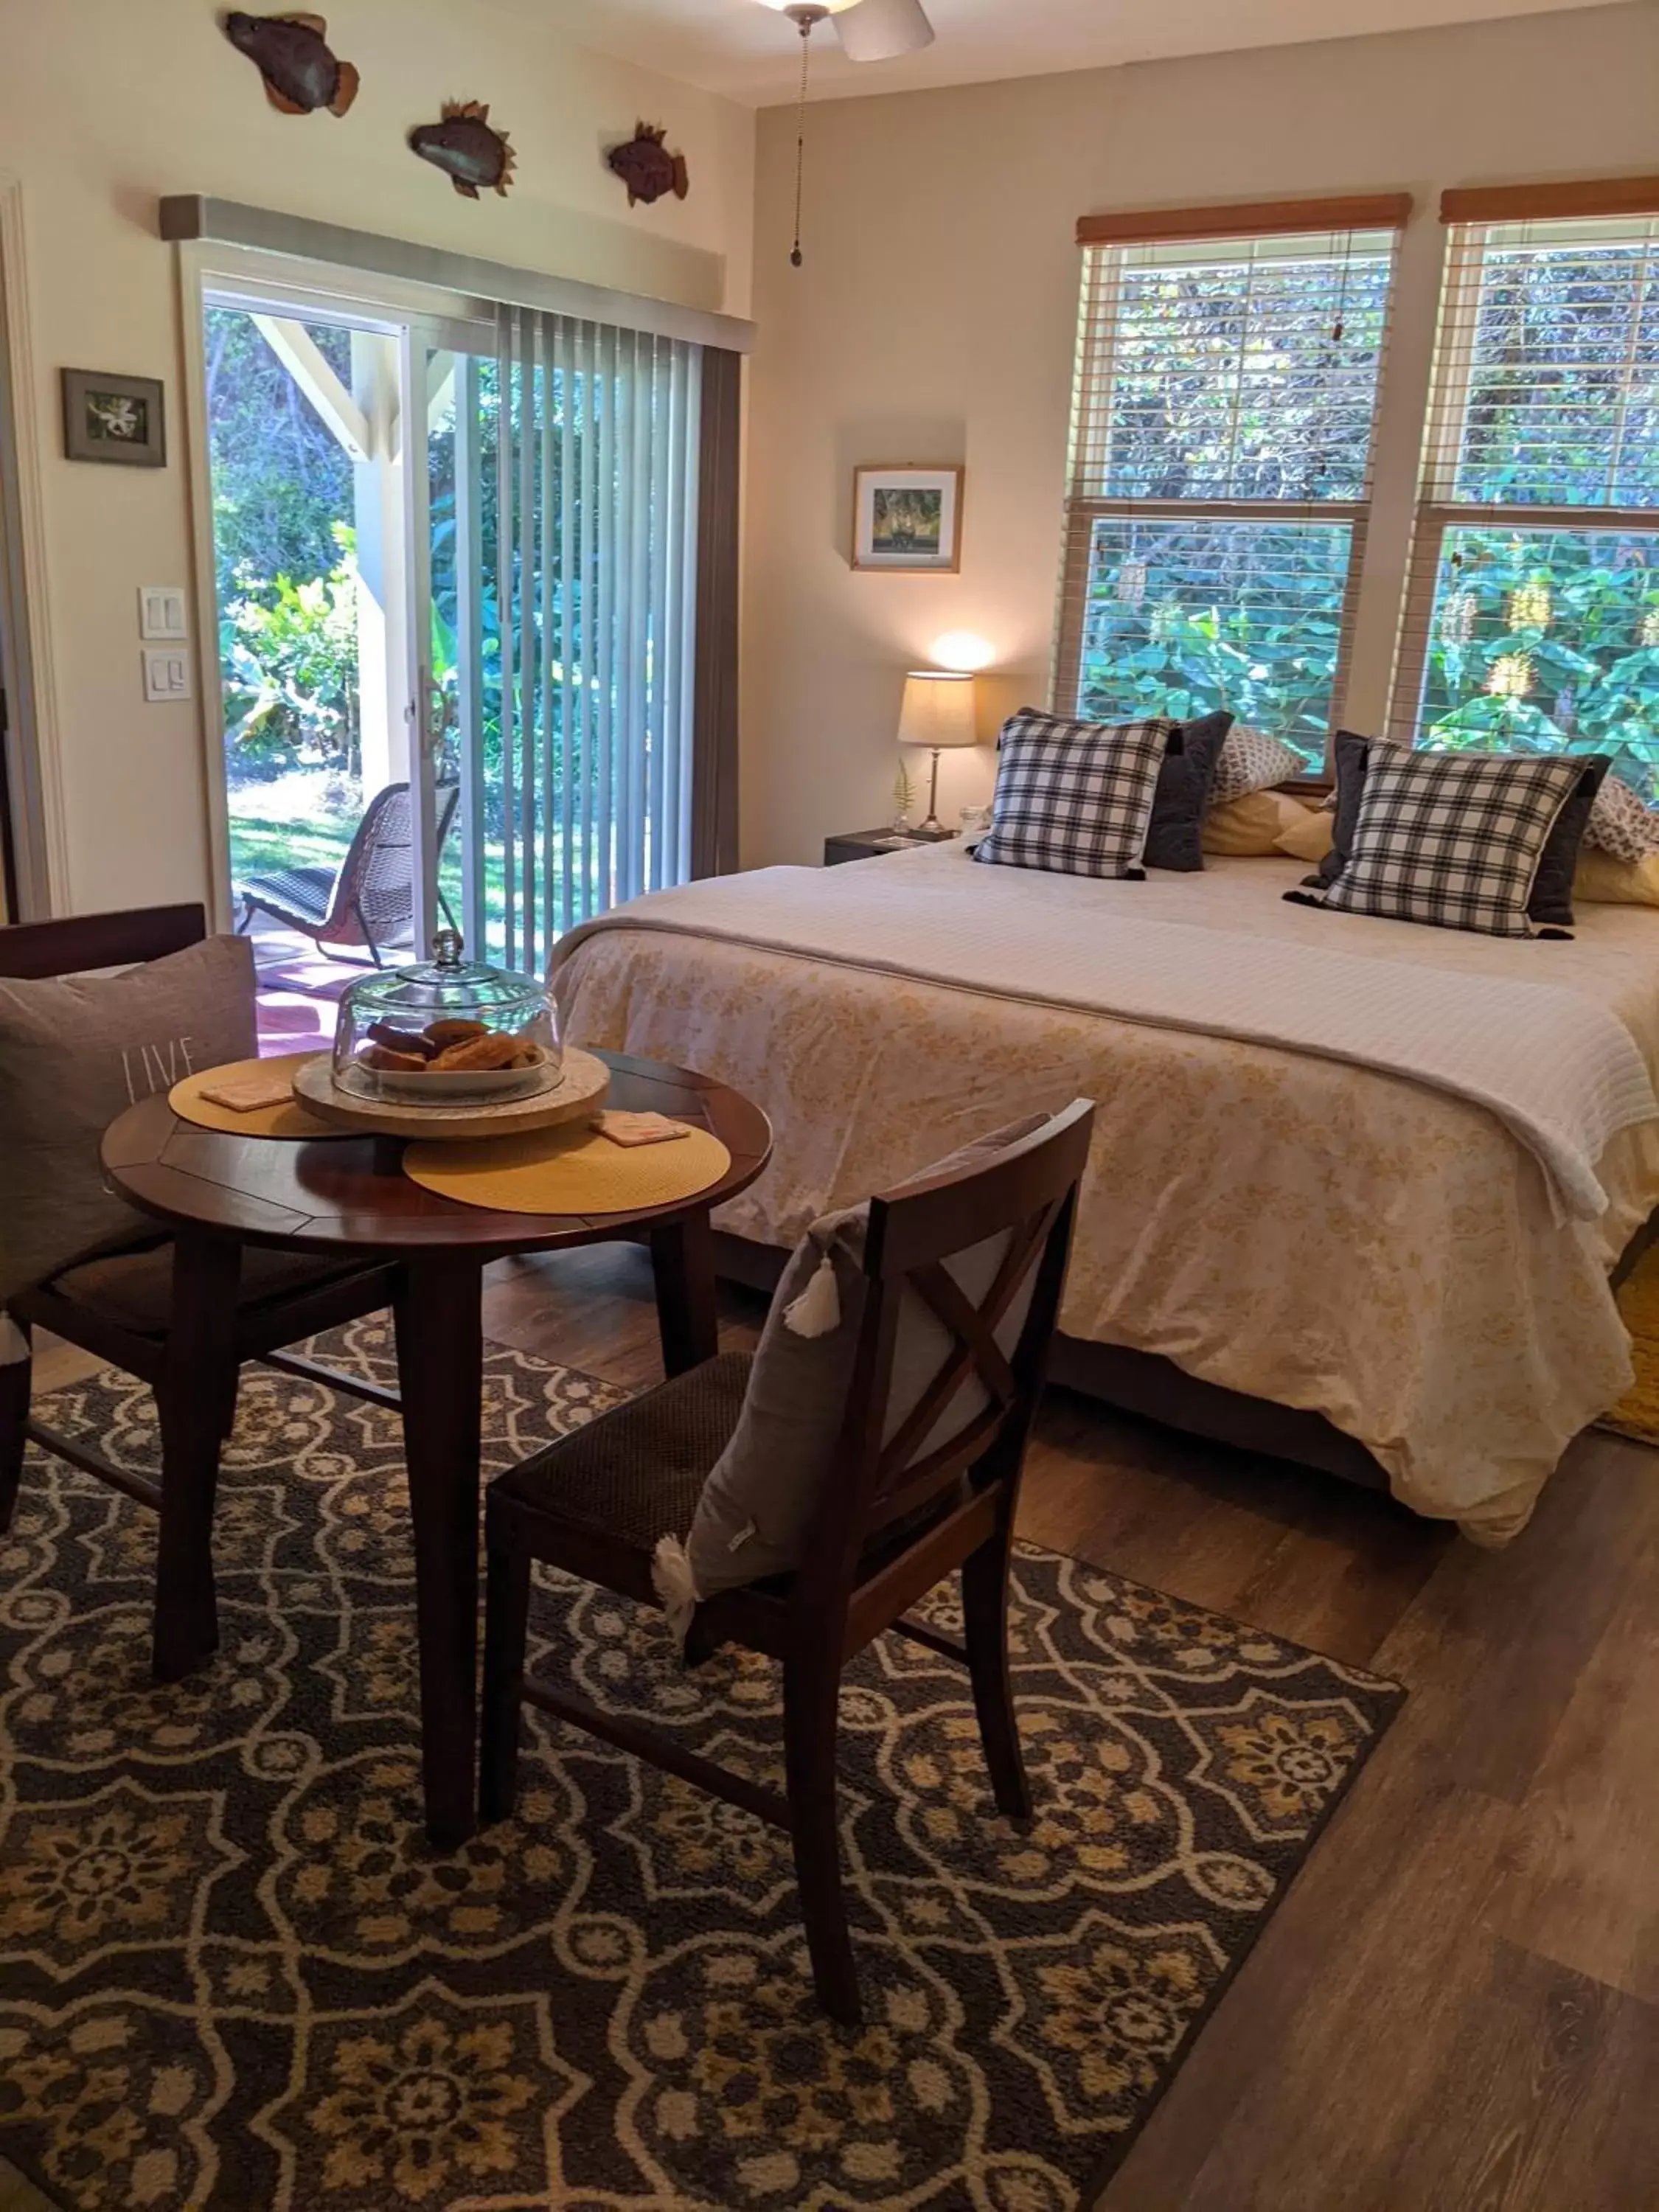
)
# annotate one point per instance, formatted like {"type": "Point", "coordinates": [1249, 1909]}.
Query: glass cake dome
{"type": "Point", "coordinates": [445, 1031]}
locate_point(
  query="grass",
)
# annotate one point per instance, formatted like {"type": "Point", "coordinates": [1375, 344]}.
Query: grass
{"type": "Point", "coordinates": [262, 845]}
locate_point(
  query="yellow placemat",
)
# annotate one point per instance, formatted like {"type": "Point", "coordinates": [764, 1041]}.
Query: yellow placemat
{"type": "Point", "coordinates": [291, 1120]}
{"type": "Point", "coordinates": [569, 1170]}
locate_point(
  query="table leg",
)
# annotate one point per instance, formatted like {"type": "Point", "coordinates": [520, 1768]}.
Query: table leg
{"type": "Point", "coordinates": [688, 1317]}
{"type": "Point", "coordinates": [195, 1399]}
{"type": "Point", "coordinates": [441, 1374]}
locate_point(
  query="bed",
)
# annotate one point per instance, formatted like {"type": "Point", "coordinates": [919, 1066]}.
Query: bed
{"type": "Point", "coordinates": [1404, 1240]}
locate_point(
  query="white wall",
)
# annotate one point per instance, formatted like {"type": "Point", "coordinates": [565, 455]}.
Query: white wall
{"type": "Point", "coordinates": [935, 318]}
{"type": "Point", "coordinates": [105, 106]}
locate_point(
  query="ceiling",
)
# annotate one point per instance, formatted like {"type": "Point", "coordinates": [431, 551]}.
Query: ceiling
{"type": "Point", "coordinates": [747, 52]}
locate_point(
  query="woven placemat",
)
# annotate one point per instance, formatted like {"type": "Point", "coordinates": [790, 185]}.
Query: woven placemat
{"type": "Point", "coordinates": [569, 1170]}
{"type": "Point", "coordinates": [290, 1119]}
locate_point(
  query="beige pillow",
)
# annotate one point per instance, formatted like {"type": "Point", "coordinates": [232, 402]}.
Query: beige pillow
{"type": "Point", "coordinates": [1603, 881]}
{"type": "Point", "coordinates": [1249, 828]}
{"type": "Point", "coordinates": [1309, 835]}
{"type": "Point", "coordinates": [76, 1053]}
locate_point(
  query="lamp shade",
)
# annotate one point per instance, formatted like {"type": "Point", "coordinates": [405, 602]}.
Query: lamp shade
{"type": "Point", "coordinates": [939, 709]}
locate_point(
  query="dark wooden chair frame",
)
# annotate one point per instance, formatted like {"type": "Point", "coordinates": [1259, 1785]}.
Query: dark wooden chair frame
{"type": "Point", "coordinates": [889, 1528]}
{"type": "Point", "coordinates": [194, 1369]}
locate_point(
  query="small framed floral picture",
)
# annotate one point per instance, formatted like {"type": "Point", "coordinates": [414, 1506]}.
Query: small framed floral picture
{"type": "Point", "coordinates": [908, 519]}
{"type": "Point", "coordinates": [121, 419]}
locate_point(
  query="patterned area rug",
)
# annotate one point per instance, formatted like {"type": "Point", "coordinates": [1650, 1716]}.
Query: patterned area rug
{"type": "Point", "coordinates": [231, 1974]}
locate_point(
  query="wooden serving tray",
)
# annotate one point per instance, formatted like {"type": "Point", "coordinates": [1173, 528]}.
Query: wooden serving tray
{"type": "Point", "coordinates": [581, 1089]}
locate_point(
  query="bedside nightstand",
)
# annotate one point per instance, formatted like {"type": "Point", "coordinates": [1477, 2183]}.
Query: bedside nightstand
{"type": "Point", "coordinates": [865, 844]}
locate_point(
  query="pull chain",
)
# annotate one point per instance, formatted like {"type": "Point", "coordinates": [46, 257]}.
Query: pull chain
{"type": "Point", "coordinates": [796, 256]}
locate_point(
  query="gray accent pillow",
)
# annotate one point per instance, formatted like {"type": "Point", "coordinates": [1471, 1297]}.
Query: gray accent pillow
{"type": "Point", "coordinates": [76, 1052]}
{"type": "Point", "coordinates": [1550, 902]}
{"type": "Point", "coordinates": [756, 1512]}
{"type": "Point", "coordinates": [1175, 839]}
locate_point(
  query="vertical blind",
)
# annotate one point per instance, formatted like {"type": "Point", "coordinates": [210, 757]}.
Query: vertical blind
{"type": "Point", "coordinates": [591, 450]}
{"type": "Point", "coordinates": [1532, 614]}
{"type": "Point", "coordinates": [1225, 397]}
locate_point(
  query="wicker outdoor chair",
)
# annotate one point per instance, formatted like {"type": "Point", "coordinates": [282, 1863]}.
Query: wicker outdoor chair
{"type": "Point", "coordinates": [370, 898]}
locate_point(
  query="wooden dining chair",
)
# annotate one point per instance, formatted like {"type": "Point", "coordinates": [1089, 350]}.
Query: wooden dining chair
{"type": "Point", "coordinates": [901, 1510]}
{"type": "Point", "coordinates": [118, 1303]}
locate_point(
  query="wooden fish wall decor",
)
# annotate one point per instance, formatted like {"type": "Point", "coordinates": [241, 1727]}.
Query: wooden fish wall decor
{"type": "Point", "coordinates": [472, 155]}
{"type": "Point", "coordinates": [293, 55]}
{"type": "Point", "coordinates": [648, 168]}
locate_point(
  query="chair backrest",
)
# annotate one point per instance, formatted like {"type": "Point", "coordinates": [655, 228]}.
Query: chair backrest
{"type": "Point", "coordinates": [377, 876]}
{"type": "Point", "coordinates": [891, 1467]}
{"type": "Point", "coordinates": [32, 951]}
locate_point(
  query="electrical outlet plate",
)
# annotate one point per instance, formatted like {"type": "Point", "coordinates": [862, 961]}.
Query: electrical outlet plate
{"type": "Point", "coordinates": [162, 611]}
{"type": "Point", "coordinates": [167, 673]}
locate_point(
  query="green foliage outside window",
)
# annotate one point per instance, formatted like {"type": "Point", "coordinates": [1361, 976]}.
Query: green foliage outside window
{"type": "Point", "coordinates": [1546, 640]}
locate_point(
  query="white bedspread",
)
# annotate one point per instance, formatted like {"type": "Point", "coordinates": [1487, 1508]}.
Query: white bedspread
{"type": "Point", "coordinates": [1387, 1248]}
{"type": "Point", "coordinates": [1560, 1069]}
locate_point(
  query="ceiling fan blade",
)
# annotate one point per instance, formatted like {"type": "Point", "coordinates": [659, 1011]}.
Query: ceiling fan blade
{"type": "Point", "coordinates": [882, 30]}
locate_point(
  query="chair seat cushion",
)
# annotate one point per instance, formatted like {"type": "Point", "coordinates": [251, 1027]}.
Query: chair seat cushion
{"type": "Point", "coordinates": [134, 1290]}
{"type": "Point", "coordinates": [636, 1474]}
{"type": "Point", "coordinates": [305, 891]}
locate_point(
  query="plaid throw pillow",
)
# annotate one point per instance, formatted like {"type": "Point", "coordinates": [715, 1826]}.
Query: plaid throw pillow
{"type": "Point", "coordinates": [1078, 803]}
{"type": "Point", "coordinates": [1453, 840]}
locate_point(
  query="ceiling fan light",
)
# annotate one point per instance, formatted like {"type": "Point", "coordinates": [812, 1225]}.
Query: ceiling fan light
{"type": "Point", "coordinates": [882, 30]}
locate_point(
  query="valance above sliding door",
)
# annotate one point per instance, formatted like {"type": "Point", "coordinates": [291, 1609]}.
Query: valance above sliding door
{"type": "Point", "coordinates": [590, 593]}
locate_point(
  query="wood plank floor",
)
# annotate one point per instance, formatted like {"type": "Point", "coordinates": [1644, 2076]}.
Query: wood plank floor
{"type": "Point", "coordinates": [1457, 2007]}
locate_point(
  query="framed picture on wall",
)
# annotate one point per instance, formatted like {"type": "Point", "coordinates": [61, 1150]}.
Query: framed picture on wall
{"type": "Point", "coordinates": [908, 519]}
{"type": "Point", "coordinates": [120, 419]}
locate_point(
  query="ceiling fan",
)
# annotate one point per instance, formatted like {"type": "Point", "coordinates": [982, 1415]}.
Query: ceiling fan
{"type": "Point", "coordinates": [869, 31]}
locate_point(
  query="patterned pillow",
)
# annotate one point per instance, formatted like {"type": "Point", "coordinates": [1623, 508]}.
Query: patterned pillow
{"type": "Point", "coordinates": [1620, 824]}
{"type": "Point", "coordinates": [1453, 840]}
{"type": "Point", "coordinates": [1252, 761]}
{"type": "Point", "coordinates": [1175, 837]}
{"type": "Point", "coordinates": [1550, 901]}
{"type": "Point", "coordinates": [1078, 803]}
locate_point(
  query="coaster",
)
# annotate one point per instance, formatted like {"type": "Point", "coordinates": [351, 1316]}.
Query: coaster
{"type": "Point", "coordinates": [291, 1119]}
{"type": "Point", "coordinates": [569, 1170]}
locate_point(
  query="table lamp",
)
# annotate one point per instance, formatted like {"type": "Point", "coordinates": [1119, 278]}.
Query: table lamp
{"type": "Point", "coordinates": [937, 711]}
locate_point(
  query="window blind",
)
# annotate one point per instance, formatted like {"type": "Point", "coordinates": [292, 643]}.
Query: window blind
{"type": "Point", "coordinates": [591, 450]}
{"type": "Point", "coordinates": [1224, 410]}
{"type": "Point", "coordinates": [1532, 613]}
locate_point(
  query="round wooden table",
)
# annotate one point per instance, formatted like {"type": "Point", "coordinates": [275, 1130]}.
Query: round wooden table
{"type": "Point", "coordinates": [347, 1198]}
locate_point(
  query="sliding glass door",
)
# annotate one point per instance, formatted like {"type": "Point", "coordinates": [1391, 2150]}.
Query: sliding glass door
{"type": "Point", "coordinates": [459, 560]}
{"type": "Point", "coordinates": [559, 553]}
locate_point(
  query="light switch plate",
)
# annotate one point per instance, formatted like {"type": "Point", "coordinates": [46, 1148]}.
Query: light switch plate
{"type": "Point", "coordinates": [167, 673]}
{"type": "Point", "coordinates": [161, 611]}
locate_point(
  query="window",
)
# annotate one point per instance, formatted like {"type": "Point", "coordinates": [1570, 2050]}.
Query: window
{"type": "Point", "coordinates": [1226, 394]}
{"type": "Point", "coordinates": [1532, 620]}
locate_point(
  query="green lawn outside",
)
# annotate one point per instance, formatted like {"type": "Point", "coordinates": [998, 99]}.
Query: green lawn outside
{"type": "Point", "coordinates": [260, 846]}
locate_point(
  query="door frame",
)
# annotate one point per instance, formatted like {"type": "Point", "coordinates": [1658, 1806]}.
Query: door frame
{"type": "Point", "coordinates": [39, 852]}
{"type": "Point", "coordinates": [414, 317]}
